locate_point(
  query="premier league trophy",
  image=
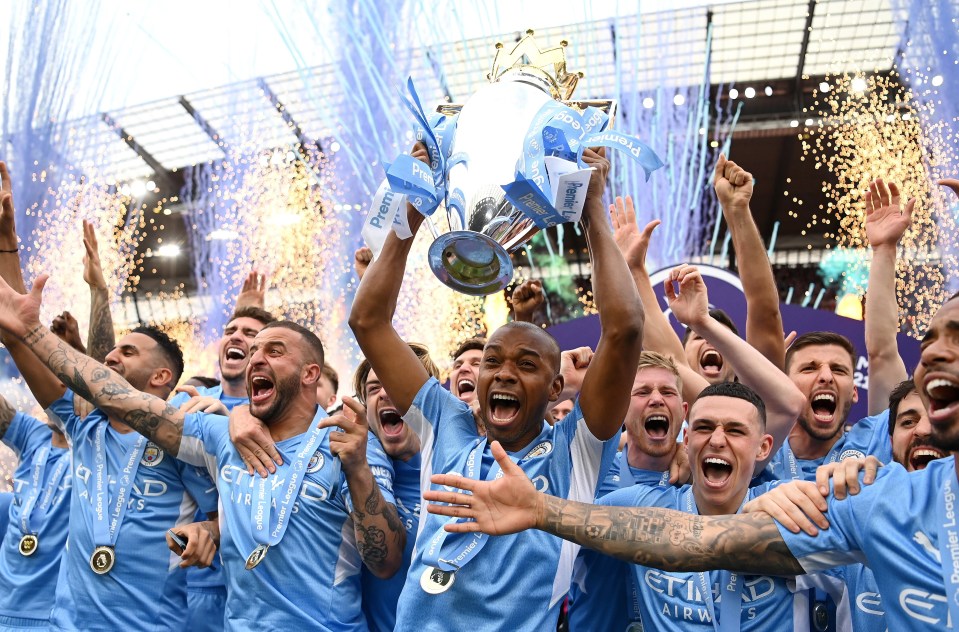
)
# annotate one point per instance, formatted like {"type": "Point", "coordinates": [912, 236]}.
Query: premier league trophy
{"type": "Point", "coordinates": [504, 165]}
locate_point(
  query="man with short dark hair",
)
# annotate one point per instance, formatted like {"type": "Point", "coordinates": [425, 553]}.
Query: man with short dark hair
{"type": "Point", "coordinates": [402, 445]}
{"type": "Point", "coordinates": [822, 365]}
{"type": "Point", "coordinates": [903, 523]}
{"type": "Point", "coordinates": [206, 587]}
{"type": "Point", "coordinates": [458, 583]}
{"type": "Point", "coordinates": [466, 360]}
{"type": "Point", "coordinates": [270, 521]}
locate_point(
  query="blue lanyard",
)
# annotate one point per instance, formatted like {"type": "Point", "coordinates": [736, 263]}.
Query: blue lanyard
{"type": "Point", "coordinates": [104, 535]}
{"type": "Point", "coordinates": [793, 464]}
{"type": "Point", "coordinates": [452, 551]}
{"type": "Point", "coordinates": [949, 545]}
{"type": "Point", "coordinates": [270, 519]}
{"type": "Point", "coordinates": [626, 474]}
{"type": "Point", "coordinates": [730, 587]}
{"type": "Point", "coordinates": [30, 505]}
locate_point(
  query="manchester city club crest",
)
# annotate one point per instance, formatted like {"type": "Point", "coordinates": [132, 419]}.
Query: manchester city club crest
{"type": "Point", "coordinates": [316, 462]}
{"type": "Point", "coordinates": [152, 455]}
{"type": "Point", "coordinates": [540, 450]}
{"type": "Point", "coordinates": [851, 454]}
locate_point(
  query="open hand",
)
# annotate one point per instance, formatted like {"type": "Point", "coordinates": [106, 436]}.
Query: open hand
{"type": "Point", "coordinates": [505, 505]}
{"type": "Point", "coordinates": [691, 304]}
{"type": "Point", "coordinates": [349, 443]}
{"type": "Point", "coordinates": [886, 221]}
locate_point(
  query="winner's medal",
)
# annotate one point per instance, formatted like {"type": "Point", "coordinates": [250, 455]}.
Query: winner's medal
{"type": "Point", "coordinates": [102, 560]}
{"type": "Point", "coordinates": [434, 581]}
{"type": "Point", "coordinates": [256, 556]}
{"type": "Point", "coordinates": [107, 521]}
{"type": "Point", "coordinates": [33, 516]}
{"type": "Point", "coordinates": [28, 545]}
{"type": "Point", "coordinates": [272, 506]}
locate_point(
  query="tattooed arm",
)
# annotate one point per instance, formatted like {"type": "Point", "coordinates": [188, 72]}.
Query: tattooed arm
{"type": "Point", "coordinates": [661, 538]}
{"type": "Point", "coordinates": [672, 540]}
{"type": "Point", "coordinates": [380, 536]}
{"type": "Point", "coordinates": [148, 415]}
{"type": "Point", "coordinates": [101, 338]}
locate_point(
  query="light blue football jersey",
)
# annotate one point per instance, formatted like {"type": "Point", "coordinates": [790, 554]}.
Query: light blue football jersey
{"type": "Point", "coordinates": [676, 601]}
{"type": "Point", "coordinates": [380, 596]}
{"type": "Point", "coordinates": [206, 587]}
{"type": "Point", "coordinates": [146, 588]}
{"type": "Point", "coordinates": [602, 585]}
{"type": "Point", "coordinates": [892, 527]}
{"type": "Point", "coordinates": [853, 588]}
{"type": "Point", "coordinates": [870, 435]}
{"type": "Point", "coordinates": [311, 578]}
{"type": "Point", "coordinates": [515, 582]}
{"type": "Point", "coordinates": [27, 584]}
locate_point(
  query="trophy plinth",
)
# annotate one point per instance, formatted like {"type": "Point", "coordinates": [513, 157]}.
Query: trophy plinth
{"type": "Point", "coordinates": [470, 262]}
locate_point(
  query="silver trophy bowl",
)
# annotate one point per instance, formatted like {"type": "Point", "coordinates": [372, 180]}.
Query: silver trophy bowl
{"type": "Point", "coordinates": [473, 257]}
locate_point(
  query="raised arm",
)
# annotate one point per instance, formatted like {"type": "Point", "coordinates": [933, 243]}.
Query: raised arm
{"type": "Point", "coordinates": [609, 378]}
{"type": "Point", "coordinates": [380, 535]}
{"type": "Point", "coordinates": [371, 318]}
{"type": "Point", "coordinates": [527, 297]}
{"type": "Point", "coordinates": [44, 385]}
{"type": "Point", "coordinates": [661, 538]}
{"type": "Point", "coordinates": [101, 338]}
{"type": "Point", "coordinates": [253, 292]}
{"type": "Point", "coordinates": [886, 222]}
{"type": "Point", "coordinates": [658, 334]}
{"type": "Point", "coordinates": [783, 400]}
{"type": "Point", "coordinates": [764, 323]}
{"type": "Point", "coordinates": [148, 415]}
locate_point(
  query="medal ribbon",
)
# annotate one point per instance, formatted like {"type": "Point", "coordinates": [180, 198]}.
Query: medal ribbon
{"type": "Point", "coordinates": [30, 505]}
{"type": "Point", "coordinates": [269, 515]}
{"type": "Point", "coordinates": [104, 535]}
{"type": "Point", "coordinates": [793, 464]}
{"type": "Point", "coordinates": [626, 473]}
{"type": "Point", "coordinates": [730, 586]}
{"type": "Point", "coordinates": [452, 551]}
{"type": "Point", "coordinates": [949, 546]}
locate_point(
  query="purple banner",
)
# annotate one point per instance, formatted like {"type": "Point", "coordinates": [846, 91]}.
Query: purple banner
{"type": "Point", "coordinates": [725, 292]}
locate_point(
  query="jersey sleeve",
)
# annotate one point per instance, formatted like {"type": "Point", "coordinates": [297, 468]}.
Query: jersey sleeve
{"type": "Point", "coordinates": [199, 485]}
{"type": "Point", "coordinates": [25, 434]}
{"type": "Point", "coordinates": [436, 410]}
{"type": "Point", "coordinates": [382, 468]}
{"type": "Point", "coordinates": [178, 400]}
{"type": "Point", "coordinates": [849, 519]}
{"type": "Point", "coordinates": [869, 435]}
{"type": "Point", "coordinates": [641, 496]}
{"type": "Point", "coordinates": [61, 413]}
{"type": "Point", "coordinates": [591, 457]}
{"type": "Point", "coordinates": [203, 435]}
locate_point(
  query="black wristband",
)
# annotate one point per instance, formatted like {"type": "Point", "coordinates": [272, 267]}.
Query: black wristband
{"type": "Point", "coordinates": [10, 251]}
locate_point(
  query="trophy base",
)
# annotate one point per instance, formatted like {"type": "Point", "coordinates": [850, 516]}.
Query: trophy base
{"type": "Point", "coordinates": [470, 263]}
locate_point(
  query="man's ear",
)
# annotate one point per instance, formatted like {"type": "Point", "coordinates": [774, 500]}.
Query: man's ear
{"type": "Point", "coordinates": [855, 394]}
{"type": "Point", "coordinates": [311, 374]}
{"type": "Point", "coordinates": [556, 388]}
{"type": "Point", "coordinates": [162, 376]}
{"type": "Point", "coordinates": [765, 447]}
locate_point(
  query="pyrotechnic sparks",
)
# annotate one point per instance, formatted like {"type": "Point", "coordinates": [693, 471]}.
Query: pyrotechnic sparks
{"type": "Point", "coordinates": [884, 131]}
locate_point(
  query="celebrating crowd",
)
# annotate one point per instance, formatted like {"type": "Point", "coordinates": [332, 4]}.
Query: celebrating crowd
{"type": "Point", "coordinates": [651, 483]}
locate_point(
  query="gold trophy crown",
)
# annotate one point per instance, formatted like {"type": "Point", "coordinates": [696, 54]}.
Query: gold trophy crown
{"type": "Point", "coordinates": [548, 65]}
